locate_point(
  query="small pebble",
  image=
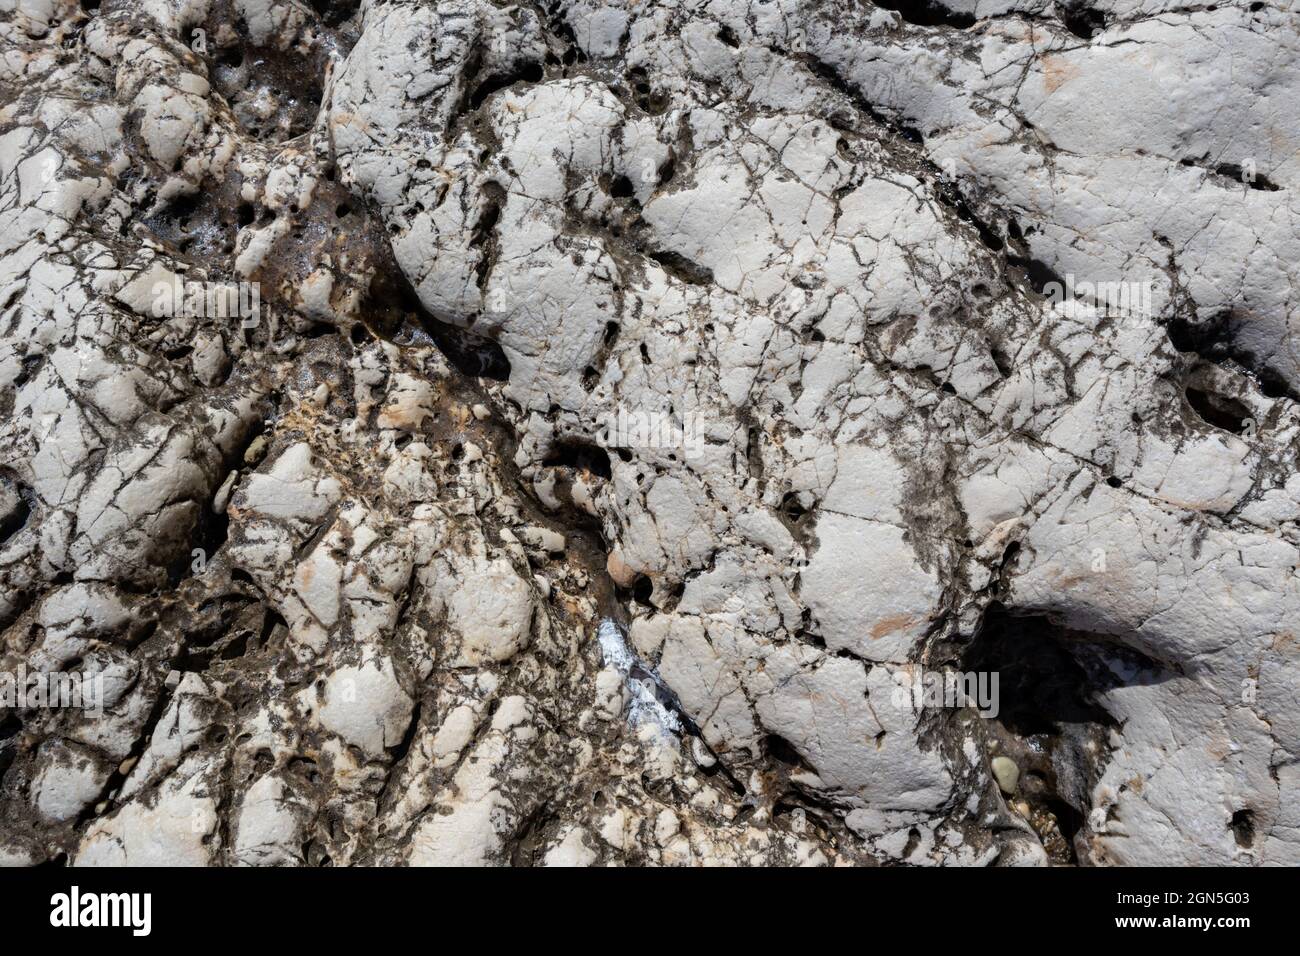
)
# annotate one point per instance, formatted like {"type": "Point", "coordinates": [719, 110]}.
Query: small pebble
{"type": "Point", "coordinates": [255, 450]}
{"type": "Point", "coordinates": [543, 539]}
{"type": "Point", "coordinates": [1006, 773]}
{"type": "Point", "coordinates": [222, 497]}
{"type": "Point", "coordinates": [700, 754]}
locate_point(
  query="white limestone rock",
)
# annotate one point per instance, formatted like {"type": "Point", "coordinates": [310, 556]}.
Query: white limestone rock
{"type": "Point", "coordinates": [366, 706]}
{"type": "Point", "coordinates": [627, 398]}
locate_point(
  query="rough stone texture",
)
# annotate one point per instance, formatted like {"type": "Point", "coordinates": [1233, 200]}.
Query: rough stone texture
{"type": "Point", "coordinates": [343, 569]}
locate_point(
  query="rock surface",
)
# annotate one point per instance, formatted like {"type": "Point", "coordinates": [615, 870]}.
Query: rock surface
{"type": "Point", "coordinates": [561, 434]}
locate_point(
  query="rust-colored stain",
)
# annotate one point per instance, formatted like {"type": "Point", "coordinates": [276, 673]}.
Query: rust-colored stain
{"type": "Point", "coordinates": [406, 413]}
{"type": "Point", "coordinates": [888, 625]}
{"type": "Point", "coordinates": [1057, 71]}
{"type": "Point", "coordinates": [1064, 581]}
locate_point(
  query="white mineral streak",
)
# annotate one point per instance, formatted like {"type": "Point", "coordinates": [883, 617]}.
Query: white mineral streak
{"type": "Point", "coordinates": [644, 706]}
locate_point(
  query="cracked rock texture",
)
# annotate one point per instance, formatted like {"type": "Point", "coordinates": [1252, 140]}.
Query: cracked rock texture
{"type": "Point", "coordinates": [370, 578]}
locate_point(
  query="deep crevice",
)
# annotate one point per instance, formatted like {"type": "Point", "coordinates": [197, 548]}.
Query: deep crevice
{"type": "Point", "coordinates": [1049, 720]}
{"type": "Point", "coordinates": [1243, 828]}
{"type": "Point", "coordinates": [1083, 22]}
{"type": "Point", "coordinates": [928, 13]}
{"type": "Point", "coordinates": [1218, 410]}
{"type": "Point", "coordinates": [1237, 173]}
{"type": "Point", "coordinates": [583, 456]}
{"type": "Point", "coordinates": [683, 269]}
{"type": "Point", "coordinates": [16, 518]}
{"type": "Point", "coordinates": [529, 73]}
{"type": "Point", "coordinates": [1215, 341]}
{"type": "Point", "coordinates": [396, 312]}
